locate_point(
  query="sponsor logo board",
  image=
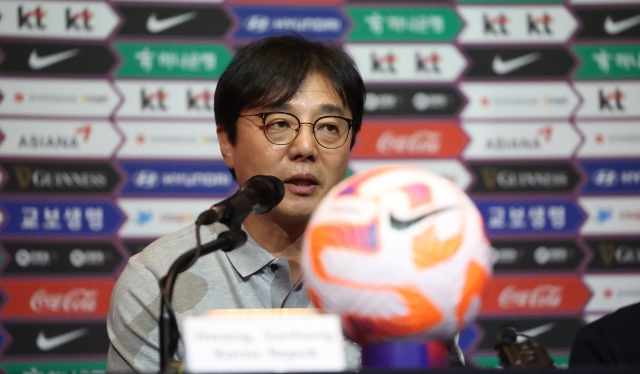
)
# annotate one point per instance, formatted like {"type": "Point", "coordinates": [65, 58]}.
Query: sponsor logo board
{"type": "Point", "coordinates": [310, 22]}
{"type": "Point", "coordinates": [41, 58]}
{"type": "Point", "coordinates": [526, 140]}
{"type": "Point", "coordinates": [47, 138]}
{"type": "Point", "coordinates": [601, 23]}
{"type": "Point", "coordinates": [57, 298]}
{"type": "Point", "coordinates": [172, 60]}
{"type": "Point", "coordinates": [530, 216]}
{"type": "Point", "coordinates": [518, 100]}
{"type": "Point", "coordinates": [407, 23]}
{"type": "Point", "coordinates": [412, 101]}
{"type": "Point", "coordinates": [611, 215]}
{"type": "Point", "coordinates": [409, 140]}
{"type": "Point", "coordinates": [155, 140]}
{"type": "Point", "coordinates": [535, 255]}
{"type": "Point", "coordinates": [177, 178]}
{"type": "Point", "coordinates": [560, 361]}
{"type": "Point", "coordinates": [609, 139]}
{"type": "Point", "coordinates": [503, 24]}
{"type": "Point", "coordinates": [73, 367]}
{"type": "Point", "coordinates": [611, 177]}
{"type": "Point", "coordinates": [70, 258]}
{"type": "Point", "coordinates": [551, 333]}
{"type": "Point", "coordinates": [57, 20]}
{"type": "Point", "coordinates": [540, 62]}
{"type": "Point", "coordinates": [135, 246]}
{"type": "Point", "coordinates": [157, 217]}
{"type": "Point", "coordinates": [410, 63]}
{"type": "Point", "coordinates": [524, 177]}
{"type": "Point", "coordinates": [612, 291]}
{"type": "Point", "coordinates": [166, 99]}
{"type": "Point", "coordinates": [453, 170]}
{"type": "Point", "coordinates": [43, 97]}
{"type": "Point", "coordinates": [56, 338]}
{"type": "Point", "coordinates": [608, 99]}
{"type": "Point", "coordinates": [534, 295]}
{"type": "Point", "coordinates": [618, 254]}
{"type": "Point", "coordinates": [60, 217]}
{"type": "Point", "coordinates": [161, 21]}
{"type": "Point", "coordinates": [56, 177]}
{"type": "Point", "coordinates": [608, 61]}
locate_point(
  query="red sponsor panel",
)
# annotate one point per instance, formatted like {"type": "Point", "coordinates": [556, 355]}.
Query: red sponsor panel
{"type": "Point", "coordinates": [57, 298]}
{"type": "Point", "coordinates": [393, 139]}
{"type": "Point", "coordinates": [548, 294]}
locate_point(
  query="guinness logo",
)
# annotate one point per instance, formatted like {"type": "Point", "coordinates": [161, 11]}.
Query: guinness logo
{"type": "Point", "coordinates": [607, 253]}
{"type": "Point", "coordinates": [23, 175]}
{"type": "Point", "coordinates": [489, 175]}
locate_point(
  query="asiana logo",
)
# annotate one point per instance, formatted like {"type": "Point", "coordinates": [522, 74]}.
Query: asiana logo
{"type": "Point", "coordinates": [61, 141]}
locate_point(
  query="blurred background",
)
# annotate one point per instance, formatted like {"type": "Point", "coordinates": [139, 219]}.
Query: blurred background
{"type": "Point", "coordinates": [108, 141]}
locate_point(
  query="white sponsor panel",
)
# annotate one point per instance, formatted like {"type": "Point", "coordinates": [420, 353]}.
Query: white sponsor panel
{"type": "Point", "coordinates": [519, 100]}
{"type": "Point", "coordinates": [610, 139]}
{"type": "Point", "coordinates": [158, 217]}
{"type": "Point", "coordinates": [407, 62]}
{"type": "Point", "coordinates": [166, 99]}
{"type": "Point", "coordinates": [450, 169]}
{"type": "Point", "coordinates": [57, 97]}
{"type": "Point", "coordinates": [177, 140]}
{"type": "Point", "coordinates": [68, 139]}
{"type": "Point", "coordinates": [608, 99]}
{"type": "Point", "coordinates": [539, 140]}
{"type": "Point", "coordinates": [611, 215]}
{"type": "Point", "coordinates": [57, 19]}
{"type": "Point", "coordinates": [516, 24]}
{"type": "Point", "coordinates": [612, 292]}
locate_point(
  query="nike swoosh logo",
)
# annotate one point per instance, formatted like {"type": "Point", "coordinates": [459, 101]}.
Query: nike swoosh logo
{"type": "Point", "coordinates": [401, 225]}
{"type": "Point", "coordinates": [614, 28]}
{"type": "Point", "coordinates": [155, 25]}
{"type": "Point", "coordinates": [47, 344]}
{"type": "Point", "coordinates": [536, 331]}
{"type": "Point", "coordinates": [501, 67]}
{"type": "Point", "coordinates": [40, 62]}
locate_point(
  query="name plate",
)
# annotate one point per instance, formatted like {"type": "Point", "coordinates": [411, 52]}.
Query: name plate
{"type": "Point", "coordinates": [263, 340]}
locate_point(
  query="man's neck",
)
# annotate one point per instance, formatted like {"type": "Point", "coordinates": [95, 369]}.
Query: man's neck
{"type": "Point", "coordinates": [281, 239]}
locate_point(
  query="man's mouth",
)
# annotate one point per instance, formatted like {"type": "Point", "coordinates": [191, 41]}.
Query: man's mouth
{"type": "Point", "coordinates": [302, 184]}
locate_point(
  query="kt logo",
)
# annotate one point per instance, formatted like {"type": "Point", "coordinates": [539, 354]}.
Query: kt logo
{"type": "Point", "coordinates": [154, 100]}
{"type": "Point", "coordinates": [496, 25]}
{"type": "Point", "coordinates": [428, 63]}
{"type": "Point", "coordinates": [25, 18]}
{"type": "Point", "coordinates": [539, 25]}
{"type": "Point", "coordinates": [606, 100]}
{"type": "Point", "coordinates": [203, 100]}
{"type": "Point", "coordinates": [74, 18]}
{"type": "Point", "coordinates": [383, 63]}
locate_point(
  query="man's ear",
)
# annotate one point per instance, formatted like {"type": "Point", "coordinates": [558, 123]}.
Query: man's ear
{"type": "Point", "coordinates": [226, 148]}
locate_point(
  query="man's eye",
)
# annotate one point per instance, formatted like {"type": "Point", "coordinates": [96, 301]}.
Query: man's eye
{"type": "Point", "coordinates": [328, 127]}
{"type": "Point", "coordinates": [278, 125]}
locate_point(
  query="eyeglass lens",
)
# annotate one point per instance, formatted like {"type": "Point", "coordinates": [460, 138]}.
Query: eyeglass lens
{"type": "Point", "coordinates": [282, 128]}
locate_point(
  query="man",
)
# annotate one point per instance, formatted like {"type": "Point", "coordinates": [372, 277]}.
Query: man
{"type": "Point", "coordinates": [285, 107]}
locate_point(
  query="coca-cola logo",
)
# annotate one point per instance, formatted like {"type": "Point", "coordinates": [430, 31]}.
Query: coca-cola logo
{"type": "Point", "coordinates": [544, 296]}
{"type": "Point", "coordinates": [76, 300]}
{"type": "Point", "coordinates": [418, 142]}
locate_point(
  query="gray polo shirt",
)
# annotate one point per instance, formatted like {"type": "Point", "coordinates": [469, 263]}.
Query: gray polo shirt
{"type": "Point", "coordinates": [247, 277]}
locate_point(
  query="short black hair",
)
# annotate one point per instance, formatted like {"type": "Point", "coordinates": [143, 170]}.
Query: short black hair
{"type": "Point", "coordinates": [270, 71]}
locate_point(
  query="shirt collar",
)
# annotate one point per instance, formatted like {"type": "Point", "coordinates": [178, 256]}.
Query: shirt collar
{"type": "Point", "coordinates": [248, 258]}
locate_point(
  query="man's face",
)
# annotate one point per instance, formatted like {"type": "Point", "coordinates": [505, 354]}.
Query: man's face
{"type": "Point", "coordinates": [307, 169]}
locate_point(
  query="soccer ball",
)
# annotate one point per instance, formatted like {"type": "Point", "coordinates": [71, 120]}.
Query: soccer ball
{"type": "Point", "coordinates": [400, 253]}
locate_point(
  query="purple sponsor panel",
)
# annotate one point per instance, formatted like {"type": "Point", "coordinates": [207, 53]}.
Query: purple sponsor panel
{"type": "Point", "coordinates": [611, 177]}
{"type": "Point", "coordinates": [528, 216]}
{"type": "Point", "coordinates": [59, 217]}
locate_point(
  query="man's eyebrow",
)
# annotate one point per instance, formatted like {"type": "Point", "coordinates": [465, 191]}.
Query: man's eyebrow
{"type": "Point", "coordinates": [331, 109]}
{"type": "Point", "coordinates": [324, 108]}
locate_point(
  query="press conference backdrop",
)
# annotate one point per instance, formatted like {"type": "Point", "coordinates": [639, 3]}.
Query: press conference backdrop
{"type": "Point", "coordinates": [108, 141]}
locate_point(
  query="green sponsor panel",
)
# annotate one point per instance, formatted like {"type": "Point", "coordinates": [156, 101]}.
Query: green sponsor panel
{"type": "Point", "coordinates": [492, 362]}
{"type": "Point", "coordinates": [143, 60]}
{"type": "Point", "coordinates": [403, 24]}
{"type": "Point", "coordinates": [77, 367]}
{"type": "Point", "coordinates": [608, 61]}
{"type": "Point", "coordinates": [531, 2]}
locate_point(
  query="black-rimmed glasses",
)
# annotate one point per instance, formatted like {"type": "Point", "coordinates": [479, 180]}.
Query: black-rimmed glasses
{"type": "Point", "coordinates": [282, 128]}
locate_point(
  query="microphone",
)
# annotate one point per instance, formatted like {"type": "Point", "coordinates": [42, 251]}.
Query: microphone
{"type": "Point", "coordinates": [259, 195]}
